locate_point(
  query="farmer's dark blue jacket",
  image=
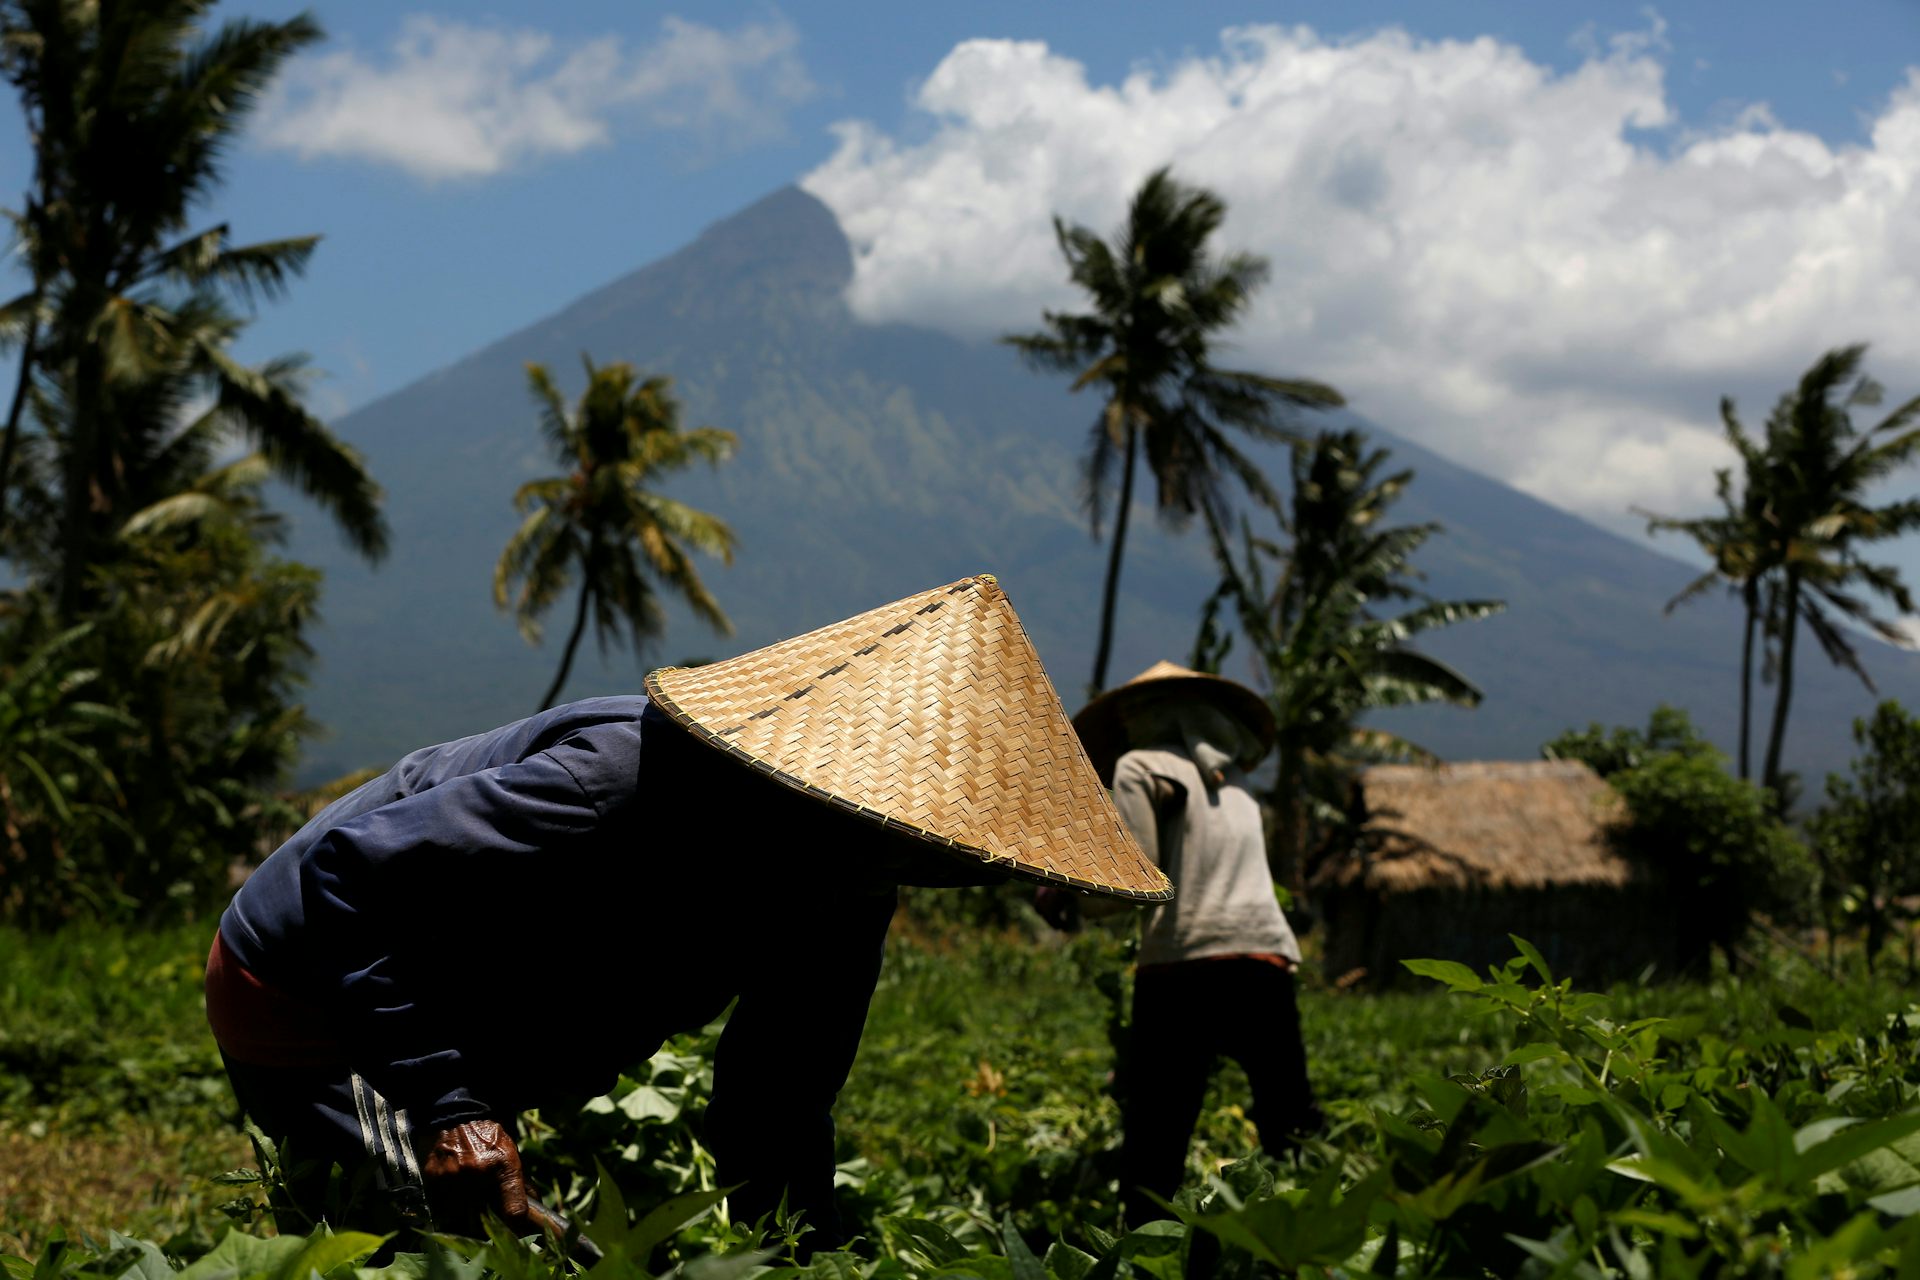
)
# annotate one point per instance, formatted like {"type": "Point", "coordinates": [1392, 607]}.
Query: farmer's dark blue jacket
{"type": "Point", "coordinates": [510, 919]}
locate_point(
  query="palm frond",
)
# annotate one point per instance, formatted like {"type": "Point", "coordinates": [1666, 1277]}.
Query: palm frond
{"type": "Point", "coordinates": [1441, 613]}
{"type": "Point", "coordinates": [300, 449]}
{"type": "Point", "coordinates": [678, 522]}
{"type": "Point", "coordinates": [248, 272]}
{"type": "Point", "coordinates": [1401, 677]}
{"type": "Point", "coordinates": [555, 426]}
{"type": "Point", "coordinates": [1834, 643]}
{"type": "Point", "coordinates": [1380, 745]}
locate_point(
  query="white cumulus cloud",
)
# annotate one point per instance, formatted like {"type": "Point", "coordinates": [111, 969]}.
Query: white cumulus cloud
{"type": "Point", "coordinates": [455, 100]}
{"type": "Point", "coordinates": [1544, 274]}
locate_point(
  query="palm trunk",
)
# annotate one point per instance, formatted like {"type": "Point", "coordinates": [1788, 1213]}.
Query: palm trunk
{"type": "Point", "coordinates": [14, 412]}
{"type": "Point", "coordinates": [29, 350]}
{"type": "Point", "coordinates": [573, 643]}
{"type": "Point", "coordinates": [1775, 740]}
{"type": "Point", "coordinates": [1876, 934]}
{"type": "Point", "coordinates": [76, 517]}
{"type": "Point", "coordinates": [1289, 820]}
{"type": "Point", "coordinates": [1749, 592]}
{"type": "Point", "coordinates": [1104, 650]}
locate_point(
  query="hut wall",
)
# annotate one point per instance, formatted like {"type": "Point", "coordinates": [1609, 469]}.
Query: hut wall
{"type": "Point", "coordinates": [1592, 934]}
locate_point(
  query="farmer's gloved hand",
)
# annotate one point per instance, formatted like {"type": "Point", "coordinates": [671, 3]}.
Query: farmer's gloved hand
{"type": "Point", "coordinates": [1058, 907]}
{"type": "Point", "coordinates": [474, 1168]}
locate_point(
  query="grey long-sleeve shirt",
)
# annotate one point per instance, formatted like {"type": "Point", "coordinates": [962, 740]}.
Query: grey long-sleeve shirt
{"type": "Point", "coordinates": [1211, 845]}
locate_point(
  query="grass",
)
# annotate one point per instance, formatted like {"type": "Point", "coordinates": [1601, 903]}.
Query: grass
{"type": "Point", "coordinates": [99, 1026]}
{"type": "Point", "coordinates": [145, 1181]}
{"type": "Point", "coordinates": [113, 1107]}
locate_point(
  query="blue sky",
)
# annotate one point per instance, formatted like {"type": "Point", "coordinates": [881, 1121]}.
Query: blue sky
{"type": "Point", "coordinates": [1542, 238]}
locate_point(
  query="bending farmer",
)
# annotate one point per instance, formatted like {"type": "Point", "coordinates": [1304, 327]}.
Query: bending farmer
{"type": "Point", "coordinates": [508, 920]}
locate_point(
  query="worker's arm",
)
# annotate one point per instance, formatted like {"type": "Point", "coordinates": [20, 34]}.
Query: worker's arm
{"type": "Point", "coordinates": [406, 899]}
{"type": "Point", "coordinates": [411, 904]}
{"type": "Point", "coordinates": [1146, 801]}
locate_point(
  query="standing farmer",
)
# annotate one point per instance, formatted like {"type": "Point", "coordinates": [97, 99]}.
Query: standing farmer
{"type": "Point", "coordinates": [1215, 977]}
{"type": "Point", "coordinates": [509, 920]}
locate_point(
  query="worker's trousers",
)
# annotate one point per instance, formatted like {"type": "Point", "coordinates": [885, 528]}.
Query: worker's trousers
{"type": "Point", "coordinates": [1186, 1017]}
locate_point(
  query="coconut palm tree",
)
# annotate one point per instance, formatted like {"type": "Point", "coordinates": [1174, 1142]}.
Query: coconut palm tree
{"type": "Point", "coordinates": [1819, 469]}
{"type": "Point", "coordinates": [603, 520]}
{"type": "Point", "coordinates": [130, 106]}
{"type": "Point", "coordinates": [1159, 300]}
{"type": "Point", "coordinates": [1736, 542]}
{"type": "Point", "coordinates": [1322, 649]}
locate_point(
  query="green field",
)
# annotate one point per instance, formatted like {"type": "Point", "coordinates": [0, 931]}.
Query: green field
{"type": "Point", "coordinates": [977, 1122]}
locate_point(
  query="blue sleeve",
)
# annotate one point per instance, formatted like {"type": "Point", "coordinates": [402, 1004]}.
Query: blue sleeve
{"type": "Point", "coordinates": [381, 889]}
{"type": "Point", "coordinates": [785, 1053]}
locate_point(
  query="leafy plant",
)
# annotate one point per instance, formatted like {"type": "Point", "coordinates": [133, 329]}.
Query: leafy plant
{"type": "Point", "coordinates": [197, 648]}
{"type": "Point", "coordinates": [56, 786]}
{"type": "Point", "coordinates": [1503, 1124]}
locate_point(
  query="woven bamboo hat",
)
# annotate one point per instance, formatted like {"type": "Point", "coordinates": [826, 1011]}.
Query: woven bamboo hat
{"type": "Point", "coordinates": [930, 716]}
{"type": "Point", "coordinates": [1102, 723]}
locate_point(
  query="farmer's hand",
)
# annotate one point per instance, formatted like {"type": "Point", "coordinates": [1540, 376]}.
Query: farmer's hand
{"type": "Point", "coordinates": [474, 1168]}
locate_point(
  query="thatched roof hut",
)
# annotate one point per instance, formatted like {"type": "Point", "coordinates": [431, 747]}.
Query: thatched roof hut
{"type": "Point", "coordinates": [1455, 858]}
{"type": "Point", "coordinates": [1501, 824]}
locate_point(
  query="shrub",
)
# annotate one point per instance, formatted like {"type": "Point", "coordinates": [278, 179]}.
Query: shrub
{"type": "Point", "coordinates": [1711, 836]}
{"type": "Point", "coordinates": [1868, 833]}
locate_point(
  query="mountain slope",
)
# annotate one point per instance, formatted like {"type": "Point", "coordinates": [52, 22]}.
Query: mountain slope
{"type": "Point", "coordinates": [875, 461]}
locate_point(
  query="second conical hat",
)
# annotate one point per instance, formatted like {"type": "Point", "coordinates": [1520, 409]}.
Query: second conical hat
{"type": "Point", "coordinates": [1102, 723]}
{"type": "Point", "coordinates": [932, 716]}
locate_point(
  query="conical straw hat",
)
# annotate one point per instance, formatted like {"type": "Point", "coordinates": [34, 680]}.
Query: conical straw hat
{"type": "Point", "coordinates": [1102, 723]}
{"type": "Point", "coordinates": [930, 715]}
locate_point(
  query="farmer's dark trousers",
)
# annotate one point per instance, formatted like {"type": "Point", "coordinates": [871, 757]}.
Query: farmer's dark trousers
{"type": "Point", "coordinates": [1185, 1018]}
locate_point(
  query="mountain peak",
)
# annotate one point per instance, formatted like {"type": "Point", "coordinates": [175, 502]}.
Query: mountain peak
{"type": "Point", "coordinates": [788, 232]}
{"type": "Point", "coordinates": [786, 246]}
{"type": "Point", "coordinates": [782, 227]}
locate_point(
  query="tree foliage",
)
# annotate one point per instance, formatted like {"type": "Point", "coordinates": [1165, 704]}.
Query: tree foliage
{"type": "Point", "coordinates": [1793, 542]}
{"type": "Point", "coordinates": [1711, 836]}
{"type": "Point", "coordinates": [603, 521]}
{"type": "Point", "coordinates": [196, 643]}
{"type": "Point", "coordinates": [1737, 543]}
{"type": "Point", "coordinates": [134, 455]}
{"type": "Point", "coordinates": [130, 314]}
{"type": "Point", "coordinates": [57, 789]}
{"type": "Point", "coordinates": [1158, 301]}
{"type": "Point", "coordinates": [1867, 834]}
{"type": "Point", "coordinates": [1820, 467]}
{"type": "Point", "coordinates": [1325, 649]}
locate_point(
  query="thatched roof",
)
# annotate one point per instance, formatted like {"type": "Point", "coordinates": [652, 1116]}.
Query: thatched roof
{"type": "Point", "coordinates": [1493, 825]}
